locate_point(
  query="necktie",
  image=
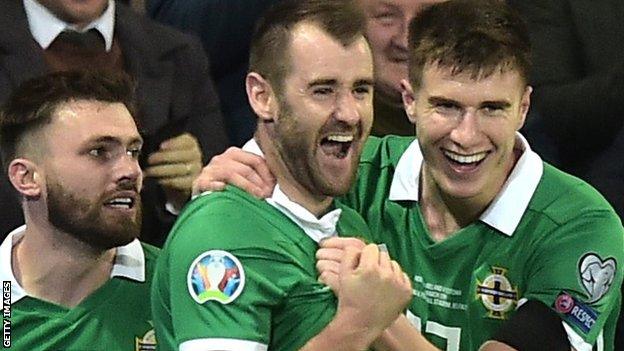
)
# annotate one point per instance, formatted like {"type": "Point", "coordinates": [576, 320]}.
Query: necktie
{"type": "Point", "coordinates": [90, 40]}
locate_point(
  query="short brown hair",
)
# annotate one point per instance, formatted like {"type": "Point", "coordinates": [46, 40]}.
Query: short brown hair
{"type": "Point", "coordinates": [33, 103]}
{"type": "Point", "coordinates": [474, 36]}
{"type": "Point", "coordinates": [342, 19]}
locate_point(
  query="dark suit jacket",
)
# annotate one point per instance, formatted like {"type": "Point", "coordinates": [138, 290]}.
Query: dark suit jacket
{"type": "Point", "coordinates": [579, 86]}
{"type": "Point", "coordinates": [175, 95]}
{"type": "Point", "coordinates": [579, 91]}
{"type": "Point", "coordinates": [225, 28]}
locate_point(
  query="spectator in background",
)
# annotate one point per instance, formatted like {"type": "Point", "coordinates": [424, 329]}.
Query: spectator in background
{"type": "Point", "coordinates": [225, 28]}
{"type": "Point", "coordinates": [178, 109]}
{"type": "Point", "coordinates": [80, 279]}
{"type": "Point", "coordinates": [578, 77]}
{"type": "Point", "coordinates": [386, 31]}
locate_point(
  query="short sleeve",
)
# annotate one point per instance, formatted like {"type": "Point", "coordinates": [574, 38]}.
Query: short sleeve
{"type": "Point", "coordinates": [221, 293]}
{"type": "Point", "coordinates": [577, 271]}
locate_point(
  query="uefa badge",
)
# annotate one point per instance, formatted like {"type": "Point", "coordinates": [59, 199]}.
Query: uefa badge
{"type": "Point", "coordinates": [596, 275]}
{"type": "Point", "coordinates": [215, 275]}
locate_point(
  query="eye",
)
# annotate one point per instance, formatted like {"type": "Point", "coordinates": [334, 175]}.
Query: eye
{"type": "Point", "coordinates": [362, 91]}
{"type": "Point", "coordinates": [386, 18]}
{"type": "Point", "coordinates": [135, 153]}
{"type": "Point", "coordinates": [492, 110]}
{"type": "Point", "coordinates": [447, 108]}
{"type": "Point", "coordinates": [99, 152]}
{"type": "Point", "coordinates": [322, 92]}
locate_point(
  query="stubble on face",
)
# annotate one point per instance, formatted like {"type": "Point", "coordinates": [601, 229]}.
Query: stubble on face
{"type": "Point", "coordinates": [85, 220]}
{"type": "Point", "coordinates": [297, 147]}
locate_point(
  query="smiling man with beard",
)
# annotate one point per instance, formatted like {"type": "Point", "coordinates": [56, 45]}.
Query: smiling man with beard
{"type": "Point", "coordinates": [70, 147]}
{"type": "Point", "coordinates": [238, 273]}
{"type": "Point", "coordinates": [505, 251]}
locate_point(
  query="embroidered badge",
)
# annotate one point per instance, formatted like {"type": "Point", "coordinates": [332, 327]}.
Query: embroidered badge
{"type": "Point", "coordinates": [596, 275]}
{"type": "Point", "coordinates": [497, 294]}
{"type": "Point", "coordinates": [575, 312]}
{"type": "Point", "coordinates": [216, 275]}
{"type": "Point", "coordinates": [147, 342]}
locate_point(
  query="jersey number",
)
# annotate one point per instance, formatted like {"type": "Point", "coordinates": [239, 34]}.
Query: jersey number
{"type": "Point", "coordinates": [451, 334]}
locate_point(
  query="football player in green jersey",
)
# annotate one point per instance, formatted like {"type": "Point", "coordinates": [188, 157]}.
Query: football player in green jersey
{"type": "Point", "coordinates": [238, 273]}
{"type": "Point", "coordinates": [505, 251]}
{"type": "Point", "coordinates": [79, 277]}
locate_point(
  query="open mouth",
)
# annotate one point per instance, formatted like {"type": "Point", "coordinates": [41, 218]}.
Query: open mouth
{"type": "Point", "coordinates": [122, 203]}
{"type": "Point", "coordinates": [337, 145]}
{"type": "Point", "coordinates": [471, 160]}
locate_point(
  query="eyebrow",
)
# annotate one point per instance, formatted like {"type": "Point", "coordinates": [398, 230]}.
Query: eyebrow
{"type": "Point", "coordinates": [364, 81]}
{"type": "Point", "coordinates": [322, 81]}
{"type": "Point", "coordinates": [389, 5]}
{"type": "Point", "coordinates": [107, 139]}
{"type": "Point", "coordinates": [501, 104]}
{"type": "Point", "coordinates": [436, 100]}
{"type": "Point", "coordinates": [333, 82]}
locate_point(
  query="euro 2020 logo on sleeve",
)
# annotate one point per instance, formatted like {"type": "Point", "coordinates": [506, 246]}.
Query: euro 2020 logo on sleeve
{"type": "Point", "coordinates": [216, 275]}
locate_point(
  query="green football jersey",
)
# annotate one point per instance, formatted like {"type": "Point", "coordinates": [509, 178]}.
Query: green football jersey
{"type": "Point", "coordinates": [547, 236]}
{"type": "Point", "coordinates": [116, 316]}
{"type": "Point", "coordinates": [237, 274]}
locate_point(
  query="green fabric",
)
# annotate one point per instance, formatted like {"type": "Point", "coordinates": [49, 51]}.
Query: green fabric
{"type": "Point", "coordinates": [116, 316]}
{"type": "Point", "coordinates": [281, 305]}
{"type": "Point", "coordinates": [566, 219]}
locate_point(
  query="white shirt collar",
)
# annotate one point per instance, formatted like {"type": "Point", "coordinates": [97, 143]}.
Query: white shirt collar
{"type": "Point", "coordinates": [315, 228]}
{"type": "Point", "coordinates": [507, 208]}
{"type": "Point", "coordinates": [45, 26]}
{"type": "Point", "coordinates": [129, 262]}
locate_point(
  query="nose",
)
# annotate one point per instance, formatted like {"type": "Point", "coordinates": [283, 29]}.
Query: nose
{"type": "Point", "coordinates": [347, 109]}
{"type": "Point", "coordinates": [127, 168]}
{"type": "Point", "coordinates": [400, 38]}
{"type": "Point", "coordinates": [466, 132]}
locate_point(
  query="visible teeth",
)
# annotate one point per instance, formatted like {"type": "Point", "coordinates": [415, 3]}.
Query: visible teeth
{"type": "Point", "coordinates": [340, 138]}
{"type": "Point", "coordinates": [465, 158]}
{"type": "Point", "coordinates": [124, 200]}
{"type": "Point", "coordinates": [121, 202]}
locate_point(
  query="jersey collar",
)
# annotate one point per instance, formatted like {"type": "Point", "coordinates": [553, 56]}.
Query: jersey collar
{"type": "Point", "coordinates": [129, 262]}
{"type": "Point", "coordinates": [315, 228]}
{"type": "Point", "coordinates": [45, 26]}
{"type": "Point", "coordinates": [507, 208]}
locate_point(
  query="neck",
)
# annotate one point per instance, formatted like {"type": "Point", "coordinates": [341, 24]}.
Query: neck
{"type": "Point", "coordinates": [444, 214]}
{"type": "Point", "coordinates": [296, 192]}
{"type": "Point", "coordinates": [54, 266]}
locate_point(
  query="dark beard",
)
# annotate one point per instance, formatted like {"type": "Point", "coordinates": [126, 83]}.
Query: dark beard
{"type": "Point", "coordinates": [85, 222]}
{"type": "Point", "coordinates": [297, 154]}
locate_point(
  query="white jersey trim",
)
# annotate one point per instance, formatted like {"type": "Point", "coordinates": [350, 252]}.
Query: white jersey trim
{"type": "Point", "coordinates": [577, 341]}
{"type": "Point", "coordinates": [129, 262]}
{"type": "Point", "coordinates": [316, 228]}
{"type": "Point", "coordinates": [222, 344]}
{"type": "Point", "coordinates": [507, 208]}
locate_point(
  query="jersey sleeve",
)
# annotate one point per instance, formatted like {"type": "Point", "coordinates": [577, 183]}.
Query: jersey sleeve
{"type": "Point", "coordinates": [577, 271]}
{"type": "Point", "coordinates": [222, 283]}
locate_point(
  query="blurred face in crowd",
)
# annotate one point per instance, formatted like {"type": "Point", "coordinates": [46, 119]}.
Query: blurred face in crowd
{"type": "Point", "coordinates": [467, 128]}
{"type": "Point", "coordinates": [92, 174]}
{"type": "Point", "coordinates": [78, 12]}
{"type": "Point", "coordinates": [387, 30]}
{"type": "Point", "coordinates": [325, 110]}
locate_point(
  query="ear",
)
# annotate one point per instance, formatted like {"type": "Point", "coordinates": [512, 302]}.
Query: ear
{"type": "Point", "coordinates": [261, 97]}
{"type": "Point", "coordinates": [409, 100]}
{"type": "Point", "coordinates": [525, 103]}
{"type": "Point", "coordinates": [25, 177]}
